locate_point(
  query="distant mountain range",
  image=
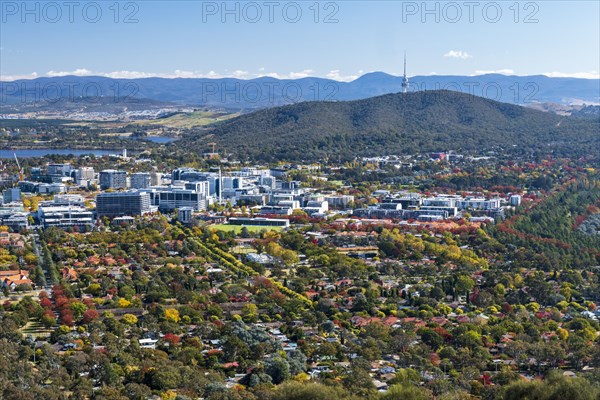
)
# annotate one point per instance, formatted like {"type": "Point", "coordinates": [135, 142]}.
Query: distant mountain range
{"type": "Point", "coordinates": [236, 94]}
{"type": "Point", "coordinates": [396, 124]}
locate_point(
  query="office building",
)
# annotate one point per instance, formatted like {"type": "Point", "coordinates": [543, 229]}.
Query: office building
{"type": "Point", "coordinates": [122, 203]}
{"type": "Point", "coordinates": [515, 200]}
{"type": "Point", "coordinates": [156, 179]}
{"type": "Point", "coordinates": [11, 195]}
{"type": "Point", "coordinates": [140, 180]}
{"type": "Point", "coordinates": [59, 170]}
{"type": "Point", "coordinates": [14, 216]}
{"type": "Point", "coordinates": [52, 188]}
{"type": "Point", "coordinates": [113, 179]}
{"type": "Point", "coordinates": [185, 214]}
{"type": "Point", "coordinates": [169, 200]}
{"type": "Point", "coordinates": [476, 203]}
{"type": "Point", "coordinates": [65, 216]}
{"type": "Point", "coordinates": [341, 201]}
{"type": "Point", "coordinates": [85, 173]}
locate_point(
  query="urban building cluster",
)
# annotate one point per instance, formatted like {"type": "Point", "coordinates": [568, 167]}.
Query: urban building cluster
{"type": "Point", "coordinates": [268, 192]}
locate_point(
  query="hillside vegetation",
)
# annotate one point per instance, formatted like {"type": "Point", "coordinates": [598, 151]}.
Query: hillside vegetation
{"type": "Point", "coordinates": [396, 124]}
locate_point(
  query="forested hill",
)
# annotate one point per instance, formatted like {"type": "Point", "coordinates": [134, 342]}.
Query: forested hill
{"type": "Point", "coordinates": [395, 124]}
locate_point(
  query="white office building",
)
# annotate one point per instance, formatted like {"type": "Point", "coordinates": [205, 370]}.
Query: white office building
{"type": "Point", "coordinates": [65, 216]}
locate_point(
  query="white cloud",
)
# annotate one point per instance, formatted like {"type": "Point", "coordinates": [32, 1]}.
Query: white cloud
{"type": "Point", "coordinates": [239, 74]}
{"type": "Point", "coordinates": [8, 78]}
{"type": "Point", "coordinates": [497, 71]}
{"type": "Point", "coordinates": [463, 55]}
{"type": "Point", "coordinates": [302, 74]}
{"type": "Point", "coordinates": [77, 72]}
{"type": "Point", "coordinates": [337, 76]}
{"type": "Point", "coordinates": [582, 75]}
{"type": "Point", "coordinates": [291, 75]}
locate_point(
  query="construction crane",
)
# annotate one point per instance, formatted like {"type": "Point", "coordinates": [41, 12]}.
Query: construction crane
{"type": "Point", "coordinates": [213, 144]}
{"type": "Point", "coordinates": [19, 166]}
{"type": "Point", "coordinates": [212, 154]}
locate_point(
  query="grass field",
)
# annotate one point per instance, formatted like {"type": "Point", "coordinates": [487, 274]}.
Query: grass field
{"type": "Point", "coordinates": [35, 329]}
{"type": "Point", "coordinates": [238, 228]}
{"type": "Point", "coordinates": [242, 250]}
{"type": "Point", "coordinates": [189, 120]}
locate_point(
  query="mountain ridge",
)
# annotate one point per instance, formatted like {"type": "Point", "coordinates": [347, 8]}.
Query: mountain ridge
{"type": "Point", "coordinates": [398, 123]}
{"type": "Point", "coordinates": [263, 92]}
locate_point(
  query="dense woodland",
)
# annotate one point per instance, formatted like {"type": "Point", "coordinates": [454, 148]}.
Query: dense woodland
{"type": "Point", "coordinates": [397, 124]}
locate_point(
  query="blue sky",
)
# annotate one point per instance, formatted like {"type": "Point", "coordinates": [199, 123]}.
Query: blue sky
{"type": "Point", "coordinates": [342, 40]}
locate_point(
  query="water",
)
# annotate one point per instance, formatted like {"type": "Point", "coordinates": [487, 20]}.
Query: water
{"type": "Point", "coordinates": [44, 152]}
{"type": "Point", "coordinates": [160, 139]}
{"type": "Point", "coordinates": [153, 139]}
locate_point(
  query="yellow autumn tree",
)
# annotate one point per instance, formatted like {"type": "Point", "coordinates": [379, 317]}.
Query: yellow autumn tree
{"type": "Point", "coordinates": [172, 314]}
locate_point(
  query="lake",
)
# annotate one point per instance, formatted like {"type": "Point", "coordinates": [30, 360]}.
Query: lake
{"type": "Point", "coordinates": [153, 139]}
{"type": "Point", "coordinates": [160, 139]}
{"type": "Point", "coordinates": [23, 153]}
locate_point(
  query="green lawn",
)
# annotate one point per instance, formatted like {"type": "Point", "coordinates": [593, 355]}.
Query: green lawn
{"type": "Point", "coordinates": [238, 228]}
{"type": "Point", "coordinates": [336, 183]}
{"type": "Point", "coordinates": [189, 120]}
{"type": "Point", "coordinates": [35, 329]}
{"type": "Point", "coordinates": [242, 250]}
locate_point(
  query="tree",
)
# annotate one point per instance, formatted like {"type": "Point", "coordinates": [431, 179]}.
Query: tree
{"type": "Point", "coordinates": [89, 316]}
{"type": "Point", "coordinates": [78, 309]}
{"type": "Point", "coordinates": [432, 339]}
{"type": "Point", "coordinates": [309, 391]}
{"type": "Point", "coordinates": [250, 313]}
{"type": "Point", "coordinates": [129, 319]}
{"type": "Point", "coordinates": [135, 391]}
{"type": "Point", "coordinates": [166, 377]}
{"type": "Point", "coordinates": [405, 391]}
{"type": "Point", "coordinates": [278, 369]}
{"type": "Point", "coordinates": [172, 315]}
{"type": "Point", "coordinates": [555, 386]}
{"type": "Point", "coordinates": [464, 284]}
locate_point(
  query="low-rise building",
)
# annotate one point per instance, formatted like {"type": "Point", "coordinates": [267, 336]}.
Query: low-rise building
{"type": "Point", "coordinates": [65, 216]}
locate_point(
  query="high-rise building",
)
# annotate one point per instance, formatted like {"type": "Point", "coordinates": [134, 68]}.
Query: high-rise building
{"type": "Point", "coordinates": [174, 198]}
{"type": "Point", "coordinates": [140, 180]}
{"type": "Point", "coordinates": [113, 179]}
{"type": "Point", "coordinates": [11, 195]}
{"type": "Point", "coordinates": [59, 169]}
{"type": "Point", "coordinates": [156, 179]}
{"type": "Point", "coordinates": [84, 173]}
{"type": "Point", "coordinates": [122, 203]}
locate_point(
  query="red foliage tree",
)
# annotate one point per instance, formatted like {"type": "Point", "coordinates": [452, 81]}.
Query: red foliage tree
{"type": "Point", "coordinates": [89, 316]}
{"type": "Point", "coordinates": [46, 303]}
{"type": "Point", "coordinates": [172, 339]}
{"type": "Point", "coordinates": [66, 317]}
